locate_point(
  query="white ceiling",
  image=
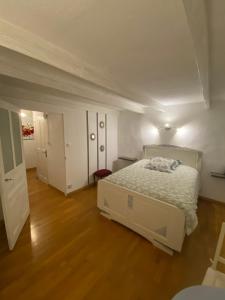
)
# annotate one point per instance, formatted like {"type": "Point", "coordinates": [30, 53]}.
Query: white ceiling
{"type": "Point", "coordinates": [145, 48]}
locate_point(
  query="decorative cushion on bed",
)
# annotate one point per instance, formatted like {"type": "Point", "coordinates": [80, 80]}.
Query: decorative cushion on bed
{"type": "Point", "coordinates": [175, 164]}
{"type": "Point", "coordinates": [163, 164]}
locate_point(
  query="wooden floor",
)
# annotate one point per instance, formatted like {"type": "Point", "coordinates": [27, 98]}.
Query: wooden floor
{"type": "Point", "coordinates": [68, 251]}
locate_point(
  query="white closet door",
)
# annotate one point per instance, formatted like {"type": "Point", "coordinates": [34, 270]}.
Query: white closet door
{"type": "Point", "coordinates": [92, 144]}
{"type": "Point", "coordinates": [56, 152]}
{"type": "Point", "coordinates": [102, 147]}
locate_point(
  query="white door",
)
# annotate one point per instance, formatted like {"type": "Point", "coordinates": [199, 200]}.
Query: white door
{"type": "Point", "coordinates": [13, 181]}
{"type": "Point", "coordinates": [56, 152]}
{"type": "Point", "coordinates": [41, 138]}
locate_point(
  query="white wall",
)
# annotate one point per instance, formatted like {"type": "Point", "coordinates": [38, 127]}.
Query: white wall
{"type": "Point", "coordinates": [199, 129]}
{"type": "Point", "coordinates": [56, 166]}
{"type": "Point", "coordinates": [29, 153]}
{"type": "Point", "coordinates": [112, 138]}
{"type": "Point", "coordinates": [134, 131]}
{"type": "Point", "coordinates": [29, 145]}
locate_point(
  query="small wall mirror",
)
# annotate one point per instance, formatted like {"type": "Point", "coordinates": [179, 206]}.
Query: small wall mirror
{"type": "Point", "coordinates": [92, 136]}
{"type": "Point", "coordinates": [102, 124]}
{"type": "Point", "coordinates": [102, 148]}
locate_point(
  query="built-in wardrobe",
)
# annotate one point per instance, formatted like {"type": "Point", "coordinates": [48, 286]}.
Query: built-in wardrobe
{"type": "Point", "coordinates": [96, 142]}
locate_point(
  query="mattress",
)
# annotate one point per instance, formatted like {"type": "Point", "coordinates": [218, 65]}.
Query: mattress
{"type": "Point", "coordinates": [179, 188]}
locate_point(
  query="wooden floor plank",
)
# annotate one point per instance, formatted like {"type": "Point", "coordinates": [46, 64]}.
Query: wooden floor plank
{"type": "Point", "coordinates": [67, 250]}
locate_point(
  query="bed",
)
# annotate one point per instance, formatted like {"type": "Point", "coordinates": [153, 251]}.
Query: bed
{"type": "Point", "coordinates": [159, 206]}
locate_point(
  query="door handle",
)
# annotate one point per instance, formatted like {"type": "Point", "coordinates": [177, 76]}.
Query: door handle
{"type": "Point", "coordinates": [9, 179]}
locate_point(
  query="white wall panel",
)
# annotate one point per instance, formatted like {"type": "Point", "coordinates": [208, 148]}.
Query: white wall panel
{"type": "Point", "coordinates": [56, 152]}
{"type": "Point", "coordinates": [112, 139]}
{"type": "Point", "coordinates": [75, 129]}
{"type": "Point", "coordinates": [29, 147]}
{"type": "Point", "coordinates": [92, 144]}
{"type": "Point", "coordinates": [102, 141]}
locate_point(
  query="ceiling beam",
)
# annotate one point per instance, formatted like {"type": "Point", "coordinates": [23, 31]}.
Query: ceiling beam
{"type": "Point", "coordinates": [33, 100]}
{"type": "Point", "coordinates": [197, 20]}
{"type": "Point", "coordinates": [21, 67]}
{"type": "Point", "coordinates": [33, 46]}
{"type": "Point", "coordinates": [26, 43]}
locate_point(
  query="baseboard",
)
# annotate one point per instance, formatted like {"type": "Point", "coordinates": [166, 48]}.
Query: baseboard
{"type": "Point", "coordinates": [203, 198]}
{"type": "Point", "coordinates": [86, 187]}
{"type": "Point", "coordinates": [54, 188]}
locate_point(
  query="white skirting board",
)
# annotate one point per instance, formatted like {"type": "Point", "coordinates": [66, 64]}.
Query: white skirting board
{"type": "Point", "coordinates": [161, 223]}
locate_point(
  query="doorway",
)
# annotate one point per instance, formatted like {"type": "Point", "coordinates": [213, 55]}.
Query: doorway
{"type": "Point", "coordinates": [44, 147]}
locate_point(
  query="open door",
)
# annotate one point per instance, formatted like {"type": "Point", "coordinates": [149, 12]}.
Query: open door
{"type": "Point", "coordinates": [13, 181]}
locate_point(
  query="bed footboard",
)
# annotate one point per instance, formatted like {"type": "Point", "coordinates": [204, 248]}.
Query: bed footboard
{"type": "Point", "coordinates": [161, 223]}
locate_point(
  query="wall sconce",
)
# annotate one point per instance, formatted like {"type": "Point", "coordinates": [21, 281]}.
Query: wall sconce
{"type": "Point", "coordinates": [167, 126]}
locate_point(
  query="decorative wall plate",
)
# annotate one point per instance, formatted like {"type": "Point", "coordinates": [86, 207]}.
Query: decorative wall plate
{"type": "Point", "coordinates": [102, 124]}
{"type": "Point", "coordinates": [92, 136]}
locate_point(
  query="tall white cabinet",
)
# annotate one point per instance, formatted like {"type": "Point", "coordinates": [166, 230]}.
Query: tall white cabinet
{"type": "Point", "coordinates": [83, 153]}
{"type": "Point", "coordinates": [96, 142]}
{"type": "Point", "coordinates": [102, 140]}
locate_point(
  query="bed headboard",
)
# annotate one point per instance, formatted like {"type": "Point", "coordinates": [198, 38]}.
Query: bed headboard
{"type": "Point", "coordinates": [189, 157]}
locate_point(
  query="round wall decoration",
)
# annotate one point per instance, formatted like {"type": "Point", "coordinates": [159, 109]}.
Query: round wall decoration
{"type": "Point", "coordinates": [92, 136]}
{"type": "Point", "coordinates": [102, 124]}
{"type": "Point", "coordinates": [102, 148]}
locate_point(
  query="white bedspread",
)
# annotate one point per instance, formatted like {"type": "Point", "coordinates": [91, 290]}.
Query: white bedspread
{"type": "Point", "coordinates": [179, 188]}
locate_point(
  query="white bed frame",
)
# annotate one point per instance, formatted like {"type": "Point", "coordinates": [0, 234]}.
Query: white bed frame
{"type": "Point", "coordinates": [159, 222]}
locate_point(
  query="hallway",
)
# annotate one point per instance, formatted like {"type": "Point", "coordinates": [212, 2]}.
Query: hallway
{"type": "Point", "coordinates": [68, 251]}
